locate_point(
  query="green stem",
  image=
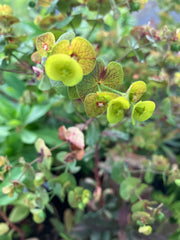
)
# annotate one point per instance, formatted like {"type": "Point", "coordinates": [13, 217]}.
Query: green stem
{"type": "Point", "coordinates": [113, 90]}
{"type": "Point", "coordinates": [99, 89]}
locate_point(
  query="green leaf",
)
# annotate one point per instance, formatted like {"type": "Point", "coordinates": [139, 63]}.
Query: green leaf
{"type": "Point", "coordinates": [139, 206]}
{"type": "Point", "coordinates": [116, 135]}
{"type": "Point", "coordinates": [177, 182]}
{"type": "Point", "coordinates": [127, 187]}
{"type": "Point", "coordinates": [52, 6]}
{"type": "Point", "coordinates": [77, 20]}
{"type": "Point", "coordinates": [139, 191]}
{"type": "Point", "coordinates": [29, 176]}
{"type": "Point", "coordinates": [59, 87]}
{"type": "Point", "coordinates": [7, 109]}
{"type": "Point", "coordinates": [63, 23]}
{"type": "Point", "coordinates": [18, 214]}
{"type": "Point", "coordinates": [45, 84]}
{"type": "Point", "coordinates": [66, 36]}
{"type": "Point", "coordinates": [117, 172]}
{"type": "Point", "coordinates": [166, 109]}
{"type": "Point", "coordinates": [14, 145]}
{"type": "Point", "coordinates": [37, 112]}
{"type": "Point", "coordinates": [27, 136]}
{"type": "Point", "coordinates": [15, 174]}
{"type": "Point", "coordinates": [67, 181]}
{"type": "Point", "coordinates": [49, 134]}
{"type": "Point", "coordinates": [149, 176]}
{"type": "Point", "coordinates": [4, 132]}
{"type": "Point", "coordinates": [93, 133]}
{"type": "Point", "coordinates": [22, 112]}
{"type": "Point", "coordinates": [57, 225]}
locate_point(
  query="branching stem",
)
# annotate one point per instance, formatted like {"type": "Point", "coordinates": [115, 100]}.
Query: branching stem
{"type": "Point", "coordinates": [15, 71]}
{"type": "Point", "coordinates": [13, 226]}
{"type": "Point", "coordinates": [113, 90]}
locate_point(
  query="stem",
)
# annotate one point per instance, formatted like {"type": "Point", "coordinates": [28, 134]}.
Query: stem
{"type": "Point", "coordinates": [15, 71]}
{"type": "Point", "coordinates": [58, 146]}
{"type": "Point", "coordinates": [96, 156]}
{"type": "Point", "coordinates": [38, 158]}
{"type": "Point", "coordinates": [132, 49]}
{"type": "Point", "coordinates": [92, 30]}
{"type": "Point", "coordinates": [87, 123]}
{"type": "Point", "coordinates": [35, 160]}
{"type": "Point", "coordinates": [18, 230]}
{"type": "Point", "coordinates": [22, 63]}
{"type": "Point", "coordinates": [80, 116]}
{"type": "Point", "coordinates": [113, 90]}
{"type": "Point", "coordinates": [106, 131]}
{"type": "Point", "coordinates": [99, 89]}
{"type": "Point", "coordinates": [8, 96]}
{"type": "Point", "coordinates": [137, 195]}
{"type": "Point", "coordinates": [96, 172]}
{"type": "Point", "coordinates": [125, 55]}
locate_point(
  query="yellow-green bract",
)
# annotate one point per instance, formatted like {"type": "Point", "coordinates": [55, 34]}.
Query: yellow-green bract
{"type": "Point", "coordinates": [115, 110]}
{"type": "Point", "coordinates": [79, 49]}
{"type": "Point", "coordinates": [96, 103]}
{"type": "Point", "coordinates": [146, 230]}
{"type": "Point", "coordinates": [44, 43]}
{"type": "Point", "coordinates": [142, 111]}
{"type": "Point", "coordinates": [136, 90]}
{"type": "Point", "coordinates": [61, 67]}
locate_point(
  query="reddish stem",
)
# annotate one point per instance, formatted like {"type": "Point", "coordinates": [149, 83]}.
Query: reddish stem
{"type": "Point", "coordinates": [96, 172]}
{"type": "Point", "coordinates": [87, 123]}
{"type": "Point", "coordinates": [18, 230]}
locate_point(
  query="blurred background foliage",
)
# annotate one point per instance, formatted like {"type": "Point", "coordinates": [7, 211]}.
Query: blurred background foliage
{"type": "Point", "coordinates": [130, 173]}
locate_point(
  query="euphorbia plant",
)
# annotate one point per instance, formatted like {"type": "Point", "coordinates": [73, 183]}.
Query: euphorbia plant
{"type": "Point", "coordinates": [74, 64]}
{"type": "Point", "coordinates": [94, 90]}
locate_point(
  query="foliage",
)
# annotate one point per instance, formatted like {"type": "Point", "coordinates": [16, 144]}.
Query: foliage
{"type": "Point", "coordinates": [89, 120]}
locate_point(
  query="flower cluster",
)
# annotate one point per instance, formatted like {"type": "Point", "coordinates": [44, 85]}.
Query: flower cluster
{"type": "Point", "coordinates": [73, 64]}
{"type": "Point", "coordinates": [66, 61]}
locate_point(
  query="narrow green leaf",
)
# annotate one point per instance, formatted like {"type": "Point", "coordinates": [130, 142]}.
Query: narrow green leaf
{"type": "Point", "coordinates": [66, 36]}
{"type": "Point", "coordinates": [37, 112]}
{"type": "Point", "coordinates": [63, 23]}
{"type": "Point", "coordinates": [18, 214]}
